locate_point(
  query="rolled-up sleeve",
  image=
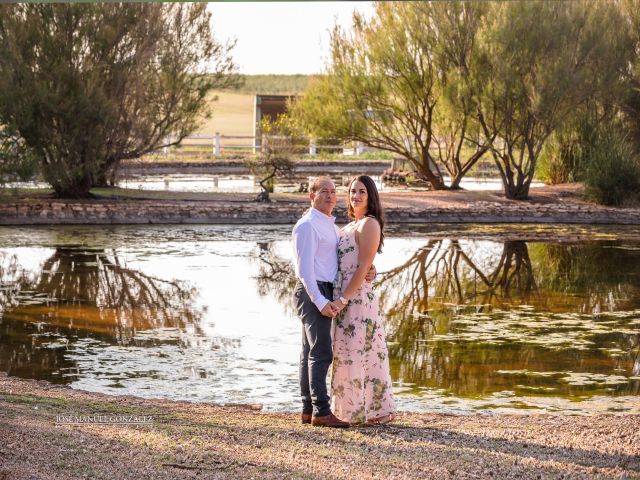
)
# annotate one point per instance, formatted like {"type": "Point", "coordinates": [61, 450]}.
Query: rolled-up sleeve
{"type": "Point", "coordinates": [305, 244]}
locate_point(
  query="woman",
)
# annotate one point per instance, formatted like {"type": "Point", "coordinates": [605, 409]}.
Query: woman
{"type": "Point", "coordinates": [360, 381]}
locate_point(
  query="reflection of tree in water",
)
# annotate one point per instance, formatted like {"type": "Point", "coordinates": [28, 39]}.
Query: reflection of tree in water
{"type": "Point", "coordinates": [603, 277]}
{"type": "Point", "coordinates": [80, 292]}
{"type": "Point", "coordinates": [438, 281]}
{"type": "Point", "coordinates": [445, 278]}
{"type": "Point", "coordinates": [442, 273]}
{"type": "Point", "coordinates": [12, 276]}
{"type": "Point", "coordinates": [92, 289]}
{"type": "Point", "coordinates": [276, 276]}
{"type": "Point", "coordinates": [442, 279]}
{"type": "Point", "coordinates": [437, 274]}
{"type": "Point", "coordinates": [603, 274]}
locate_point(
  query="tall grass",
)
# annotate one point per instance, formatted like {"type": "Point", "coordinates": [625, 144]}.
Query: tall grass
{"type": "Point", "coordinates": [563, 157]}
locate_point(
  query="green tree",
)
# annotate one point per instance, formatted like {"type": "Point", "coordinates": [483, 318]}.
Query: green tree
{"type": "Point", "coordinates": [281, 140]}
{"type": "Point", "coordinates": [89, 85]}
{"type": "Point", "coordinates": [398, 83]}
{"type": "Point", "coordinates": [538, 62]}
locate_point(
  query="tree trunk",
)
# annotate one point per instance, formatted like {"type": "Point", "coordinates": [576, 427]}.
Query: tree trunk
{"type": "Point", "coordinates": [455, 181]}
{"type": "Point", "coordinates": [102, 180]}
{"type": "Point", "coordinates": [106, 176]}
{"type": "Point", "coordinates": [78, 189]}
{"type": "Point", "coordinates": [437, 183]}
{"type": "Point", "coordinates": [517, 191]}
{"type": "Point", "coordinates": [263, 196]}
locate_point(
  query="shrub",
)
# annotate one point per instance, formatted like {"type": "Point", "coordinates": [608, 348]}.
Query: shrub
{"type": "Point", "coordinates": [612, 169]}
{"type": "Point", "coordinates": [563, 157]}
{"type": "Point", "coordinates": [558, 161]}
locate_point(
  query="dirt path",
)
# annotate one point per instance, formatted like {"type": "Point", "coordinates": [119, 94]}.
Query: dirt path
{"type": "Point", "coordinates": [184, 440]}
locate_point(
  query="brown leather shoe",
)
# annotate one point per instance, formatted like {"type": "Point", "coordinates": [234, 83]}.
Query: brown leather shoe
{"type": "Point", "coordinates": [306, 418]}
{"type": "Point", "coordinates": [329, 421]}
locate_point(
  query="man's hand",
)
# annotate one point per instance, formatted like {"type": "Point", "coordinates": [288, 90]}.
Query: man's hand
{"type": "Point", "coordinates": [332, 309]}
{"type": "Point", "coordinates": [337, 306]}
{"type": "Point", "coordinates": [371, 274]}
{"type": "Point", "coordinates": [329, 310]}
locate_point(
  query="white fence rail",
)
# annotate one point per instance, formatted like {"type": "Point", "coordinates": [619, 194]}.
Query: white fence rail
{"type": "Point", "coordinates": [216, 145]}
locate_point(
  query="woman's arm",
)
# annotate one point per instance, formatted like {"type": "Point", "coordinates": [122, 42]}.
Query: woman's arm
{"type": "Point", "coordinates": [368, 234]}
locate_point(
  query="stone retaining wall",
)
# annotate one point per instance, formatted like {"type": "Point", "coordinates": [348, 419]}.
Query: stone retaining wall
{"type": "Point", "coordinates": [167, 212]}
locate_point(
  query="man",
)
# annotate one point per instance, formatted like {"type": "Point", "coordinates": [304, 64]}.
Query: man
{"type": "Point", "coordinates": [315, 242]}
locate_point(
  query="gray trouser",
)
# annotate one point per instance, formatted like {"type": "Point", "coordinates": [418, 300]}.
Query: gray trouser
{"type": "Point", "coordinates": [317, 354]}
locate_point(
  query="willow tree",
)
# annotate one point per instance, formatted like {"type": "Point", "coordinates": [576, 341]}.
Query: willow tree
{"type": "Point", "coordinates": [89, 85]}
{"type": "Point", "coordinates": [398, 83]}
{"type": "Point", "coordinates": [537, 63]}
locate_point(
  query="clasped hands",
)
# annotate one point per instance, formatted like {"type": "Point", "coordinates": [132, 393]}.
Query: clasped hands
{"type": "Point", "coordinates": [332, 309]}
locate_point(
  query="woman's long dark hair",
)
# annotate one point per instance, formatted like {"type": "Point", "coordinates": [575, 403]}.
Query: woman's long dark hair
{"type": "Point", "coordinates": [374, 207]}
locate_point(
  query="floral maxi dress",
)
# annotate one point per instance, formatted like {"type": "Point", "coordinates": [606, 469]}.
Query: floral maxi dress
{"type": "Point", "coordinates": [360, 379]}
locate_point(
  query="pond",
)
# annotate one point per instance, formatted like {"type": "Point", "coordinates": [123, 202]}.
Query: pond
{"type": "Point", "coordinates": [479, 319]}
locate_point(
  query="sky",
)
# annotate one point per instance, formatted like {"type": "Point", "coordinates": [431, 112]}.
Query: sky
{"type": "Point", "coordinates": [281, 37]}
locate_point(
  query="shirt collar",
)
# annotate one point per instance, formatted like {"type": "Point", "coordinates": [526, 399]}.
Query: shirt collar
{"type": "Point", "coordinates": [318, 214]}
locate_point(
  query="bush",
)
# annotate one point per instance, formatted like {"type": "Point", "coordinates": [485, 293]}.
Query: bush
{"type": "Point", "coordinates": [563, 157]}
{"type": "Point", "coordinates": [612, 169]}
{"type": "Point", "coordinates": [556, 164]}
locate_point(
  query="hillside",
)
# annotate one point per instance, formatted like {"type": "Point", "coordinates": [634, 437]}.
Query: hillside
{"type": "Point", "coordinates": [274, 84]}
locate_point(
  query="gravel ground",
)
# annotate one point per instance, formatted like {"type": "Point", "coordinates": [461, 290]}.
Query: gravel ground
{"type": "Point", "coordinates": [186, 440]}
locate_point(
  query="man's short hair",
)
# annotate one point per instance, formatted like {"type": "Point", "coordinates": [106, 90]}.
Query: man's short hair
{"type": "Point", "coordinates": [315, 186]}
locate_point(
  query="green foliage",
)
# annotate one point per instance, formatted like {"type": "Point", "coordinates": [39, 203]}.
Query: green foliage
{"type": "Point", "coordinates": [557, 163]}
{"type": "Point", "coordinates": [90, 85]}
{"type": "Point", "coordinates": [281, 139]}
{"type": "Point", "coordinates": [538, 62]}
{"type": "Point", "coordinates": [612, 168]}
{"type": "Point", "coordinates": [563, 157]}
{"type": "Point", "coordinates": [397, 85]}
{"type": "Point", "coordinates": [597, 152]}
{"type": "Point", "coordinates": [17, 161]}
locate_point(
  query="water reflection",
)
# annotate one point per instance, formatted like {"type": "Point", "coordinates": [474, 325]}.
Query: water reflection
{"type": "Point", "coordinates": [474, 324]}
{"type": "Point", "coordinates": [479, 318]}
{"type": "Point", "coordinates": [276, 276]}
{"type": "Point", "coordinates": [205, 313]}
{"type": "Point", "coordinates": [79, 292]}
{"type": "Point", "coordinates": [442, 272]}
{"type": "Point", "coordinates": [608, 273]}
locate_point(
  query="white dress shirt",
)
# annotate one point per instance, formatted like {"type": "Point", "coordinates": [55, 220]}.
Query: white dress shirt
{"type": "Point", "coordinates": [315, 245]}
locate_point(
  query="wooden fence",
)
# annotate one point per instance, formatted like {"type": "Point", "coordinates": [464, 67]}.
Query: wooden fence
{"type": "Point", "coordinates": [216, 145]}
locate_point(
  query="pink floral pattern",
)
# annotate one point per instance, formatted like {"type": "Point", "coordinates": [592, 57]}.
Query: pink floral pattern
{"type": "Point", "coordinates": [360, 379]}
